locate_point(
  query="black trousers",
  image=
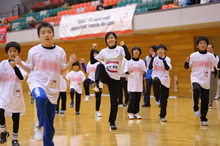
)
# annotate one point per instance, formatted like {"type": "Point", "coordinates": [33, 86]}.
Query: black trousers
{"type": "Point", "coordinates": [161, 92]}
{"type": "Point", "coordinates": [86, 84]}
{"type": "Point", "coordinates": [15, 119]}
{"type": "Point", "coordinates": [78, 99]}
{"type": "Point", "coordinates": [123, 85]}
{"type": "Point", "coordinates": [147, 93]}
{"type": "Point", "coordinates": [134, 102]}
{"type": "Point", "coordinates": [113, 85]}
{"type": "Point", "coordinates": [197, 91]}
{"type": "Point", "coordinates": [63, 103]}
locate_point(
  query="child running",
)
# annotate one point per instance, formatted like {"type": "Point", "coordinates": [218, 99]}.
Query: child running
{"type": "Point", "coordinates": [109, 71]}
{"type": "Point", "coordinates": [45, 63]}
{"type": "Point", "coordinates": [161, 65]}
{"type": "Point", "coordinates": [202, 63]}
{"type": "Point", "coordinates": [135, 68]}
{"type": "Point", "coordinates": [76, 78]}
{"type": "Point", "coordinates": [11, 96]}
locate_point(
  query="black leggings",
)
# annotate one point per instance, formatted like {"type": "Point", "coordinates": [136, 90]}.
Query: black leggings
{"type": "Point", "coordinates": [161, 92]}
{"type": "Point", "coordinates": [123, 85]}
{"type": "Point", "coordinates": [78, 99]}
{"type": "Point", "coordinates": [113, 85]}
{"type": "Point", "coordinates": [63, 98]}
{"type": "Point", "coordinates": [197, 91]}
{"type": "Point", "coordinates": [15, 118]}
{"type": "Point", "coordinates": [86, 84]}
{"type": "Point", "coordinates": [134, 102]}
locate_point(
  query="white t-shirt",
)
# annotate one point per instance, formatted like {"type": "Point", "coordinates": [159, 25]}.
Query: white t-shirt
{"type": "Point", "coordinates": [46, 65]}
{"type": "Point", "coordinates": [112, 61]}
{"type": "Point", "coordinates": [135, 78]}
{"type": "Point", "coordinates": [123, 75]}
{"type": "Point", "coordinates": [11, 95]}
{"type": "Point", "coordinates": [63, 84]}
{"type": "Point", "coordinates": [91, 68]}
{"type": "Point", "coordinates": [202, 65]}
{"type": "Point", "coordinates": [76, 78]}
{"type": "Point", "coordinates": [160, 71]}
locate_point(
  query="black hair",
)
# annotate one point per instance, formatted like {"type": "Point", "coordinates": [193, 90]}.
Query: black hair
{"type": "Point", "coordinates": [12, 44]}
{"type": "Point", "coordinates": [154, 47]}
{"type": "Point", "coordinates": [202, 38]}
{"type": "Point", "coordinates": [212, 45]}
{"type": "Point", "coordinates": [162, 46]}
{"type": "Point", "coordinates": [44, 24]}
{"type": "Point", "coordinates": [76, 63]}
{"type": "Point", "coordinates": [95, 51]}
{"type": "Point", "coordinates": [108, 34]}
{"type": "Point", "coordinates": [136, 48]}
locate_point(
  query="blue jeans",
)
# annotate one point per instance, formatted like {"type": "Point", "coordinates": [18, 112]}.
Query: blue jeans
{"type": "Point", "coordinates": [45, 114]}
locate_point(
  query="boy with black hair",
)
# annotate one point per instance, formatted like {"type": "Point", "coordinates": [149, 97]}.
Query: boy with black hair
{"type": "Point", "coordinates": [201, 62]}
{"type": "Point", "coordinates": [161, 65]}
{"type": "Point", "coordinates": [149, 78]}
{"type": "Point", "coordinates": [134, 69]}
{"type": "Point", "coordinates": [11, 95]}
{"type": "Point", "coordinates": [76, 78]}
{"type": "Point", "coordinates": [45, 63]}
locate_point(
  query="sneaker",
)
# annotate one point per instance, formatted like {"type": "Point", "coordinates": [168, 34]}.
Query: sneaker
{"type": "Point", "coordinates": [145, 105]}
{"type": "Point", "coordinates": [87, 98]}
{"type": "Point", "coordinates": [120, 105]}
{"type": "Point", "coordinates": [71, 104]}
{"type": "Point", "coordinates": [113, 127]}
{"type": "Point", "coordinates": [56, 111]}
{"type": "Point", "coordinates": [216, 97]}
{"type": "Point", "coordinates": [197, 114]}
{"type": "Point", "coordinates": [158, 103]}
{"type": "Point", "coordinates": [4, 136]}
{"type": "Point", "coordinates": [204, 123]}
{"type": "Point", "coordinates": [62, 112]}
{"type": "Point", "coordinates": [77, 113]}
{"type": "Point", "coordinates": [15, 143]}
{"type": "Point", "coordinates": [163, 120]}
{"type": "Point", "coordinates": [125, 104]}
{"type": "Point", "coordinates": [94, 87]}
{"type": "Point", "coordinates": [98, 114]}
{"type": "Point", "coordinates": [131, 116]}
{"type": "Point", "coordinates": [137, 116]}
{"type": "Point", "coordinates": [210, 107]}
{"type": "Point", "coordinates": [37, 133]}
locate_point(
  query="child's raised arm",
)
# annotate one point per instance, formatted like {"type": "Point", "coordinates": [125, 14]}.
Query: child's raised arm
{"type": "Point", "coordinates": [72, 59]}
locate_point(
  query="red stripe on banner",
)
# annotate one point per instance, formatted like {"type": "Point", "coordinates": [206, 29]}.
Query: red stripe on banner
{"type": "Point", "coordinates": [95, 35]}
{"type": "Point", "coordinates": [3, 32]}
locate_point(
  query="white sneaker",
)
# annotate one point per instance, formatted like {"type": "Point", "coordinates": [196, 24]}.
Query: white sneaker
{"type": "Point", "coordinates": [163, 120]}
{"type": "Point", "coordinates": [158, 103]}
{"type": "Point", "coordinates": [131, 116]}
{"type": "Point", "coordinates": [38, 133]}
{"type": "Point", "coordinates": [204, 123]}
{"type": "Point", "coordinates": [137, 116]}
{"type": "Point", "coordinates": [197, 114]}
{"type": "Point", "coordinates": [216, 97]}
{"type": "Point", "coordinates": [120, 105]}
{"type": "Point", "coordinates": [98, 114]}
{"type": "Point", "coordinates": [87, 98]}
{"type": "Point", "coordinates": [210, 107]}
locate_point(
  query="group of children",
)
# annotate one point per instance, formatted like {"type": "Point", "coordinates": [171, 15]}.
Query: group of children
{"type": "Point", "coordinates": [47, 69]}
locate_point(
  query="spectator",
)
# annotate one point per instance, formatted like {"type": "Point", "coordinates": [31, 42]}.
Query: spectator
{"type": "Point", "coordinates": [33, 22]}
{"type": "Point", "coordinates": [100, 7]}
{"type": "Point", "coordinates": [7, 23]}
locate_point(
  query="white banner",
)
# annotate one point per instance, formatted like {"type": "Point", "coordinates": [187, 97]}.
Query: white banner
{"type": "Point", "coordinates": [97, 23]}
